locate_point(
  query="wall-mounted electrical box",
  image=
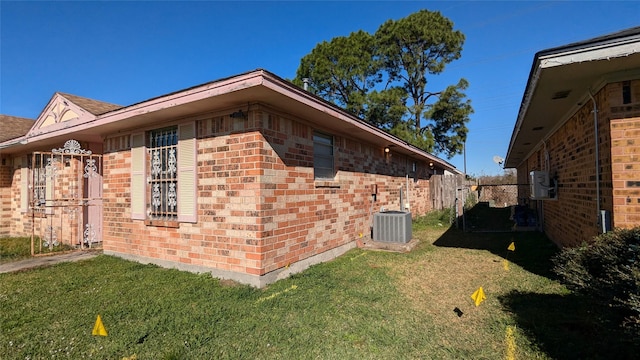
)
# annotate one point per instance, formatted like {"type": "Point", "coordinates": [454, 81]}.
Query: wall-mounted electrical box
{"type": "Point", "coordinates": [542, 187]}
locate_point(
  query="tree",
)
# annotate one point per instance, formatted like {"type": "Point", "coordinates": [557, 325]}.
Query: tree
{"type": "Point", "coordinates": [342, 70]}
{"type": "Point", "coordinates": [449, 116]}
{"type": "Point", "coordinates": [386, 108]}
{"type": "Point", "coordinates": [418, 45]}
{"type": "Point", "coordinates": [382, 78]}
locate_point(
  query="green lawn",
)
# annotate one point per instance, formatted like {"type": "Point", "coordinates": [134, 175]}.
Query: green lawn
{"type": "Point", "coordinates": [363, 305]}
{"type": "Point", "coordinates": [18, 248]}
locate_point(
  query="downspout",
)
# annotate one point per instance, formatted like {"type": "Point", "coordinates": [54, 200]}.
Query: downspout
{"type": "Point", "coordinates": [597, 162]}
{"type": "Point", "coordinates": [408, 202]}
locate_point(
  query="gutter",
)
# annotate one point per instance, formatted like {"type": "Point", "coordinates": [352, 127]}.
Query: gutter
{"type": "Point", "coordinates": [526, 101]}
{"type": "Point", "coordinates": [22, 140]}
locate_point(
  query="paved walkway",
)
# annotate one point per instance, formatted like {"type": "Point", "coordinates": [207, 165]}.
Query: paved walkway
{"type": "Point", "coordinates": [40, 261]}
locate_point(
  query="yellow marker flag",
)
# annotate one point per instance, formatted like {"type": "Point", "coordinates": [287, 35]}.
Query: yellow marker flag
{"type": "Point", "coordinates": [505, 264]}
{"type": "Point", "coordinates": [512, 246]}
{"type": "Point", "coordinates": [511, 344]}
{"type": "Point", "coordinates": [98, 328]}
{"type": "Point", "coordinates": [478, 296]}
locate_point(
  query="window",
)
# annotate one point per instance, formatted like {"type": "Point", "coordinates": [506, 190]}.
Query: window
{"type": "Point", "coordinates": [163, 173]}
{"type": "Point", "coordinates": [43, 170]}
{"type": "Point", "coordinates": [39, 181]}
{"type": "Point", "coordinates": [626, 92]}
{"type": "Point", "coordinates": [323, 156]}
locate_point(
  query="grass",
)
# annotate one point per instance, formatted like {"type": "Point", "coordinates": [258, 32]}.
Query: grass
{"type": "Point", "coordinates": [17, 248]}
{"type": "Point", "coordinates": [482, 217]}
{"type": "Point", "coordinates": [363, 305]}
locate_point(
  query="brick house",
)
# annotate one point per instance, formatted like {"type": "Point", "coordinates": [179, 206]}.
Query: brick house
{"type": "Point", "coordinates": [11, 127]}
{"type": "Point", "coordinates": [250, 178]}
{"type": "Point", "coordinates": [577, 137]}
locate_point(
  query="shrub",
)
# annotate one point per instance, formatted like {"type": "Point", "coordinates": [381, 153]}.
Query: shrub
{"type": "Point", "coordinates": [607, 271]}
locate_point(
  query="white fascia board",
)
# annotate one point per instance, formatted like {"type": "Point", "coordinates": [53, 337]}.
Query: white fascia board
{"type": "Point", "coordinates": [524, 106]}
{"type": "Point", "coordinates": [602, 52]}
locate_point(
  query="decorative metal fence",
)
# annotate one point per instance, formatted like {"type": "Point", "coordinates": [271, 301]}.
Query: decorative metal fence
{"type": "Point", "coordinates": [65, 197]}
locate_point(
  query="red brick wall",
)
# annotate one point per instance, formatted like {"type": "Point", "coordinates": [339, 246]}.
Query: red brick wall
{"type": "Point", "coordinates": [20, 221]}
{"type": "Point", "coordinates": [6, 176]}
{"type": "Point", "coordinates": [570, 155]}
{"type": "Point", "coordinates": [62, 221]}
{"type": "Point", "coordinates": [259, 207]}
{"type": "Point", "coordinates": [306, 216]}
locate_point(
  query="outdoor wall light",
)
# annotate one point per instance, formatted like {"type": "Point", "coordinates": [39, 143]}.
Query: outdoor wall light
{"type": "Point", "coordinates": [386, 149]}
{"type": "Point", "coordinates": [238, 115]}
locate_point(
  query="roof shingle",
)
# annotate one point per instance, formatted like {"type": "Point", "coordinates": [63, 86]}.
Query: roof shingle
{"type": "Point", "coordinates": [12, 127]}
{"type": "Point", "coordinates": [93, 106]}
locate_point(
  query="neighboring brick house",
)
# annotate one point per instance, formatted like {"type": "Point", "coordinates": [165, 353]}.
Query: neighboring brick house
{"type": "Point", "coordinates": [580, 123]}
{"type": "Point", "coordinates": [11, 127]}
{"type": "Point", "coordinates": [250, 177]}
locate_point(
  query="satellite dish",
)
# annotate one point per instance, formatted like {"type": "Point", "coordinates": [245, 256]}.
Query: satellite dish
{"type": "Point", "coordinates": [498, 160]}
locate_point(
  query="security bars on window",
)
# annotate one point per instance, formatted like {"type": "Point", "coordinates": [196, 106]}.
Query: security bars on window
{"type": "Point", "coordinates": [163, 174]}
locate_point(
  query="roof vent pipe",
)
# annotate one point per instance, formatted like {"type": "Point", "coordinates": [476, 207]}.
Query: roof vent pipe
{"type": "Point", "coordinates": [305, 82]}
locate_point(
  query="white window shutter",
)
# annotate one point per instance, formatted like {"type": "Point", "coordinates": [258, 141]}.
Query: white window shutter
{"type": "Point", "coordinates": [138, 181]}
{"type": "Point", "coordinates": [187, 186]}
{"type": "Point", "coordinates": [24, 186]}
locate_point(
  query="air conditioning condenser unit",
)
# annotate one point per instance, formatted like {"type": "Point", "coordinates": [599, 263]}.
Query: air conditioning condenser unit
{"type": "Point", "coordinates": [392, 226]}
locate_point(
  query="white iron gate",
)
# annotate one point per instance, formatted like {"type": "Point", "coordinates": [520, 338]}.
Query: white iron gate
{"type": "Point", "coordinates": [66, 197]}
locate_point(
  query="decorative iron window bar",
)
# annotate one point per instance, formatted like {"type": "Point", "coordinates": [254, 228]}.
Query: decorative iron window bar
{"type": "Point", "coordinates": [163, 174]}
{"type": "Point", "coordinates": [42, 168]}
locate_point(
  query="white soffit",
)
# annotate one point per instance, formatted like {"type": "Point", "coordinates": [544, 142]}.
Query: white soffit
{"type": "Point", "coordinates": [603, 52]}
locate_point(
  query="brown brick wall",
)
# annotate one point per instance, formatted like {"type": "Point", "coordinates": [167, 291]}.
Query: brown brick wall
{"type": "Point", "coordinates": [625, 155]}
{"type": "Point", "coordinates": [259, 207]}
{"type": "Point", "coordinates": [569, 154]}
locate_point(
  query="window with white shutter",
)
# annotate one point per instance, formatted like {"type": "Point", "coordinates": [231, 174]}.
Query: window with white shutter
{"type": "Point", "coordinates": [163, 174]}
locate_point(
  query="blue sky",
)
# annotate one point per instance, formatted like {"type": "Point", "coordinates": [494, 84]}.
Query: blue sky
{"type": "Point", "coordinates": [127, 52]}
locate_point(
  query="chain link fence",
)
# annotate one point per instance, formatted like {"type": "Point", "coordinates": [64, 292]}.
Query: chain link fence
{"type": "Point", "coordinates": [498, 208]}
{"type": "Point", "coordinates": [498, 195]}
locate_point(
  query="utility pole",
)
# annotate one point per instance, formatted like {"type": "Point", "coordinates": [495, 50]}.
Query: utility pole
{"type": "Point", "coordinates": [464, 154]}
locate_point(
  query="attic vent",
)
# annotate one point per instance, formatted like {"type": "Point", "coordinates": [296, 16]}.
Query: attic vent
{"type": "Point", "coordinates": [560, 94]}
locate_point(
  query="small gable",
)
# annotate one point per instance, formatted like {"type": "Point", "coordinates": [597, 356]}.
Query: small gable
{"type": "Point", "coordinates": [64, 109]}
{"type": "Point", "coordinates": [59, 113]}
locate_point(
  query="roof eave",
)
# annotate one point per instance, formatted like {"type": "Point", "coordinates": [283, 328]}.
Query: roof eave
{"type": "Point", "coordinates": [146, 112]}
{"type": "Point", "coordinates": [608, 47]}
